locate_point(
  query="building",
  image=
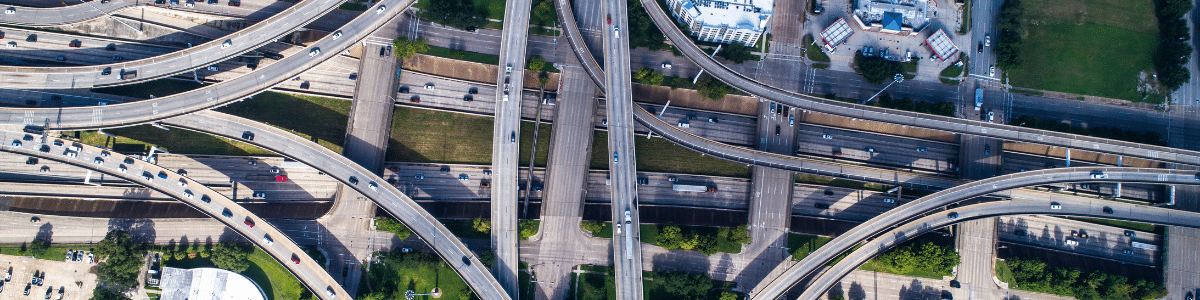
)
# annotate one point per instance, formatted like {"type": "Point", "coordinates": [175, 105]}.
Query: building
{"type": "Point", "coordinates": [207, 284]}
{"type": "Point", "coordinates": [836, 34]}
{"type": "Point", "coordinates": [902, 17]}
{"type": "Point", "coordinates": [941, 45]}
{"type": "Point", "coordinates": [742, 21]}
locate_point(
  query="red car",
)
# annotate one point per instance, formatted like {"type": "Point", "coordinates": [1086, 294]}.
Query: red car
{"type": "Point", "coordinates": [249, 222]}
{"type": "Point", "coordinates": [610, 19]}
{"type": "Point", "coordinates": [295, 259]}
{"type": "Point", "coordinates": [75, 44]}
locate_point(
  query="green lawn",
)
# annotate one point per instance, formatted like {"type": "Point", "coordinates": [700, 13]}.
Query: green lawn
{"type": "Point", "coordinates": [592, 287]}
{"type": "Point", "coordinates": [802, 245]}
{"type": "Point", "coordinates": [55, 253]}
{"type": "Point", "coordinates": [1004, 273]}
{"type": "Point", "coordinates": [420, 272]}
{"type": "Point", "coordinates": [140, 138]}
{"type": "Point", "coordinates": [660, 155]}
{"type": "Point", "coordinates": [495, 8]}
{"type": "Point", "coordinates": [1087, 47]}
{"type": "Point", "coordinates": [1123, 224]}
{"type": "Point", "coordinates": [422, 135]}
{"type": "Point", "coordinates": [464, 55]}
{"type": "Point", "coordinates": [272, 277]}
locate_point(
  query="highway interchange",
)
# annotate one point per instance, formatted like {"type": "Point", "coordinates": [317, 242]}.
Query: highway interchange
{"type": "Point", "coordinates": [620, 115]}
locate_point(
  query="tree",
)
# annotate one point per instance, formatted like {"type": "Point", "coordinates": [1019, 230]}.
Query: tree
{"type": "Point", "coordinates": [405, 48]}
{"type": "Point", "coordinates": [122, 259]}
{"type": "Point", "coordinates": [527, 228]}
{"type": "Point", "coordinates": [736, 52]}
{"type": "Point", "coordinates": [232, 257]}
{"type": "Point", "coordinates": [876, 69]}
{"type": "Point", "coordinates": [740, 234]}
{"type": "Point", "coordinates": [1009, 42]}
{"type": "Point", "coordinates": [38, 246]}
{"type": "Point", "coordinates": [648, 76]}
{"type": "Point", "coordinates": [455, 13]}
{"type": "Point", "coordinates": [482, 225]}
{"type": "Point", "coordinates": [727, 295]}
{"type": "Point", "coordinates": [683, 285]}
{"type": "Point", "coordinates": [103, 293]}
{"type": "Point", "coordinates": [670, 237]}
{"type": "Point", "coordinates": [543, 14]}
{"type": "Point", "coordinates": [711, 88]}
{"type": "Point", "coordinates": [391, 225]}
{"type": "Point", "coordinates": [536, 63]}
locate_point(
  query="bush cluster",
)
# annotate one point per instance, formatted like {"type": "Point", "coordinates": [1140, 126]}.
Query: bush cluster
{"type": "Point", "coordinates": [1008, 44]}
{"type": "Point", "coordinates": [456, 13]}
{"type": "Point", "coordinates": [926, 257]}
{"type": "Point", "coordinates": [1033, 275]}
{"type": "Point", "coordinates": [1173, 49]}
{"type": "Point", "coordinates": [875, 69]}
{"type": "Point", "coordinates": [671, 236]}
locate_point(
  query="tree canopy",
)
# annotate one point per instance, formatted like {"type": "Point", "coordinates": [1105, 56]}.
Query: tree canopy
{"type": "Point", "coordinates": [38, 246]}
{"type": "Point", "coordinates": [391, 225]}
{"type": "Point", "coordinates": [456, 13]}
{"type": "Point", "coordinates": [536, 63]}
{"type": "Point", "coordinates": [231, 256]}
{"type": "Point", "coordinates": [404, 48]}
{"type": "Point", "coordinates": [736, 52]}
{"type": "Point", "coordinates": [683, 285]}
{"type": "Point", "coordinates": [649, 76]}
{"type": "Point", "coordinates": [103, 293]}
{"type": "Point", "coordinates": [711, 88]}
{"type": "Point", "coordinates": [876, 69]}
{"type": "Point", "coordinates": [122, 259]}
{"type": "Point", "coordinates": [1034, 275]}
{"type": "Point", "coordinates": [1009, 42]}
{"type": "Point", "coordinates": [1173, 49]}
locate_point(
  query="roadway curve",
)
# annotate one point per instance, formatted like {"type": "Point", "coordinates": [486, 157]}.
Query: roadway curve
{"type": "Point", "coordinates": [212, 52]}
{"type": "Point", "coordinates": [775, 287]}
{"type": "Point", "coordinates": [892, 116]}
{"type": "Point", "coordinates": [386, 196]}
{"type": "Point", "coordinates": [128, 114]}
{"type": "Point", "coordinates": [283, 249]}
{"type": "Point", "coordinates": [47, 17]}
{"type": "Point", "coordinates": [1090, 208]}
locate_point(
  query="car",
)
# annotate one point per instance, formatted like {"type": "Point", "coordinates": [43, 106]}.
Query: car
{"type": "Point", "coordinates": [1, 286]}
{"type": "Point", "coordinates": [98, 161]}
{"type": "Point", "coordinates": [429, 86]}
{"type": "Point", "coordinates": [27, 287]}
{"type": "Point", "coordinates": [8, 275]}
{"type": "Point", "coordinates": [274, 170]}
{"type": "Point", "coordinates": [1108, 210]}
{"type": "Point", "coordinates": [419, 176]}
{"type": "Point", "coordinates": [267, 239]}
{"type": "Point", "coordinates": [105, 154]}
{"type": "Point", "coordinates": [1099, 175]}
{"type": "Point", "coordinates": [463, 177]}
{"type": "Point", "coordinates": [227, 213]}
{"type": "Point", "coordinates": [992, 71]}
{"type": "Point", "coordinates": [1071, 242]}
{"type": "Point", "coordinates": [617, 228]}
{"type": "Point", "coordinates": [188, 194]}
{"type": "Point", "coordinates": [1127, 251]}
{"type": "Point", "coordinates": [628, 215]}
{"type": "Point", "coordinates": [826, 136]}
{"type": "Point", "coordinates": [329, 292]}
{"type": "Point", "coordinates": [405, 250]}
{"type": "Point", "coordinates": [987, 149]}
{"type": "Point", "coordinates": [952, 215]}
{"type": "Point", "coordinates": [248, 222]}
{"type": "Point", "coordinates": [955, 284]}
{"type": "Point", "coordinates": [1130, 233]}
{"type": "Point", "coordinates": [512, 137]}
{"type": "Point", "coordinates": [821, 205]}
{"type": "Point", "coordinates": [189, 4]}
{"type": "Point", "coordinates": [10, 11]}
{"type": "Point", "coordinates": [251, 162]}
{"type": "Point", "coordinates": [380, 9]}
{"type": "Point", "coordinates": [889, 200]}
{"type": "Point", "coordinates": [212, 1]}
{"type": "Point", "coordinates": [75, 44]}
{"type": "Point", "coordinates": [212, 68]}
{"type": "Point", "coordinates": [445, 169]}
{"type": "Point", "coordinates": [60, 58]}
{"type": "Point", "coordinates": [987, 40]}
{"type": "Point", "coordinates": [249, 136]}
{"type": "Point", "coordinates": [70, 153]}
{"type": "Point", "coordinates": [106, 71]}
{"type": "Point", "coordinates": [235, 3]}
{"type": "Point", "coordinates": [295, 258]}
{"type": "Point", "coordinates": [353, 180]}
{"type": "Point", "coordinates": [31, 161]}
{"type": "Point", "coordinates": [643, 181]}
{"type": "Point", "coordinates": [260, 194]}
{"type": "Point", "coordinates": [1, 35]}
{"type": "Point", "coordinates": [666, 66]}
{"type": "Point", "coordinates": [1055, 205]}
{"type": "Point", "coordinates": [11, 45]}
{"type": "Point", "coordinates": [16, 143]}
{"type": "Point", "coordinates": [122, 168]}
{"type": "Point", "coordinates": [617, 32]}
{"type": "Point", "coordinates": [373, 186]}
{"type": "Point", "coordinates": [980, 48]}
{"type": "Point", "coordinates": [58, 143]}
{"type": "Point", "coordinates": [174, 2]}
{"type": "Point", "coordinates": [922, 149]}
{"type": "Point", "coordinates": [776, 129]}
{"type": "Point", "coordinates": [182, 183]}
{"type": "Point", "coordinates": [415, 99]}
{"type": "Point", "coordinates": [314, 52]}
{"type": "Point", "coordinates": [791, 120]}
{"type": "Point", "coordinates": [146, 176]}
{"type": "Point", "coordinates": [205, 198]}
{"type": "Point", "coordinates": [869, 150]}
{"type": "Point", "coordinates": [31, 220]}
{"type": "Point", "coordinates": [337, 34]}
{"type": "Point", "coordinates": [947, 295]}
{"type": "Point", "coordinates": [226, 44]}
{"type": "Point", "coordinates": [614, 157]}
{"type": "Point", "coordinates": [1189, 296]}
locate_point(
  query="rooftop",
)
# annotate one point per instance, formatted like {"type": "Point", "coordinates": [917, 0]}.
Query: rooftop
{"type": "Point", "coordinates": [941, 45]}
{"type": "Point", "coordinates": [736, 14]}
{"type": "Point", "coordinates": [207, 284]}
{"type": "Point", "coordinates": [893, 14]}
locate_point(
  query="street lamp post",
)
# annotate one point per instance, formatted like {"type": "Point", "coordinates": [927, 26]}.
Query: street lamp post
{"type": "Point", "coordinates": [898, 78]}
{"type": "Point", "coordinates": [410, 294]}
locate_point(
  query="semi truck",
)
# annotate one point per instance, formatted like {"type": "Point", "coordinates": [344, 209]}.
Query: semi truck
{"type": "Point", "coordinates": [1143, 246]}
{"type": "Point", "coordinates": [694, 188]}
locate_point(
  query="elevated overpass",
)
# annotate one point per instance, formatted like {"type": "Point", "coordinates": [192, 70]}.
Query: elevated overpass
{"type": "Point", "coordinates": [47, 17]}
{"type": "Point", "coordinates": [904, 214]}
{"type": "Point", "coordinates": [627, 243]}
{"type": "Point", "coordinates": [212, 52]}
{"type": "Point", "coordinates": [127, 114]}
{"type": "Point", "coordinates": [188, 191]}
{"type": "Point", "coordinates": [364, 181]}
{"type": "Point", "coordinates": [893, 237]}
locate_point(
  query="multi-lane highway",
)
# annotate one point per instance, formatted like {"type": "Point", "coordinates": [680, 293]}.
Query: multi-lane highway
{"type": "Point", "coordinates": [184, 189]}
{"type": "Point", "coordinates": [627, 257]}
{"type": "Point", "coordinates": [773, 288]}
{"type": "Point", "coordinates": [363, 181]}
{"type": "Point", "coordinates": [44, 17]}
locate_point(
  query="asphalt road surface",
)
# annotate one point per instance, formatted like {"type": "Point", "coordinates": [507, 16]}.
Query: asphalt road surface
{"type": "Point", "coordinates": [44, 17]}
{"type": "Point", "coordinates": [627, 256]}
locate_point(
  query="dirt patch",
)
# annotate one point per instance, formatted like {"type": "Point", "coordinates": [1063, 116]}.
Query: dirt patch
{"type": "Point", "coordinates": [734, 104]}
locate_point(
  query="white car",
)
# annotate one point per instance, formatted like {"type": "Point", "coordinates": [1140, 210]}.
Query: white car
{"type": "Point", "coordinates": [992, 72]}
{"type": "Point", "coordinates": [182, 183]}
{"type": "Point", "coordinates": [987, 41]}
{"type": "Point", "coordinates": [1072, 243]}
{"type": "Point", "coordinates": [70, 153]}
{"type": "Point", "coordinates": [337, 34]}
{"type": "Point", "coordinates": [380, 9]}
{"type": "Point", "coordinates": [314, 52]}
{"type": "Point", "coordinates": [666, 66]}
{"type": "Point", "coordinates": [889, 200]}
{"type": "Point", "coordinates": [826, 136]}
{"type": "Point", "coordinates": [429, 86]}
{"type": "Point", "coordinates": [10, 11]}
{"type": "Point", "coordinates": [267, 239]}
{"type": "Point", "coordinates": [618, 228]}
{"type": "Point", "coordinates": [189, 4]}
{"type": "Point", "coordinates": [16, 143]}
{"type": "Point", "coordinates": [187, 193]}
{"type": "Point", "coordinates": [373, 186]}
{"type": "Point", "coordinates": [226, 44]}
{"type": "Point", "coordinates": [98, 161]}
{"type": "Point", "coordinates": [991, 117]}
{"type": "Point", "coordinates": [212, 68]}
{"type": "Point", "coordinates": [628, 216]}
{"type": "Point", "coordinates": [12, 44]}
{"type": "Point", "coordinates": [617, 32]}
{"type": "Point", "coordinates": [1099, 175]}
{"type": "Point", "coordinates": [1055, 205]}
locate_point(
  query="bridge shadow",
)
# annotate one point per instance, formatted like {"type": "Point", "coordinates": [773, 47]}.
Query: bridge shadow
{"type": "Point", "coordinates": [140, 230]}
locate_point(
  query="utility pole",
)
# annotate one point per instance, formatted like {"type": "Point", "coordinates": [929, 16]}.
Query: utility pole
{"type": "Point", "coordinates": [898, 78]}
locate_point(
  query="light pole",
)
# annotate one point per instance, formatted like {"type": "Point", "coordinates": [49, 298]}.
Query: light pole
{"type": "Point", "coordinates": [898, 78]}
{"type": "Point", "coordinates": [410, 294]}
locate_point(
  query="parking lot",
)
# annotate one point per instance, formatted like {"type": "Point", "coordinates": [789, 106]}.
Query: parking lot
{"type": "Point", "coordinates": [71, 276]}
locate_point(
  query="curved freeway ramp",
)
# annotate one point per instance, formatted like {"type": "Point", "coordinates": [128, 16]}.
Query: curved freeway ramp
{"type": "Point", "coordinates": [127, 114]}
{"type": "Point", "coordinates": [903, 214]}
{"type": "Point", "coordinates": [1091, 208]}
{"type": "Point", "coordinates": [141, 70]}
{"type": "Point", "coordinates": [964, 126]}
{"type": "Point", "coordinates": [282, 248]}
{"type": "Point", "coordinates": [360, 179]}
{"type": "Point", "coordinates": [46, 17]}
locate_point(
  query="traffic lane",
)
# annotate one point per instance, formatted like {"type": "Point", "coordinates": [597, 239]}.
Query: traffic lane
{"type": "Point", "coordinates": [841, 203]}
{"type": "Point", "coordinates": [308, 271]}
{"type": "Point", "coordinates": [725, 128]}
{"type": "Point", "coordinates": [771, 118]}
{"type": "Point", "coordinates": [428, 181]}
{"type": "Point", "coordinates": [372, 107]}
{"type": "Point", "coordinates": [200, 55]}
{"type": "Point", "coordinates": [504, 151]}
{"type": "Point", "coordinates": [1080, 237]}
{"type": "Point", "coordinates": [1015, 162]}
{"type": "Point", "coordinates": [76, 50]}
{"type": "Point", "coordinates": [876, 149]}
{"type": "Point", "coordinates": [732, 193]}
{"type": "Point", "coordinates": [29, 16]}
{"type": "Point", "coordinates": [398, 205]}
{"type": "Point", "coordinates": [453, 94]}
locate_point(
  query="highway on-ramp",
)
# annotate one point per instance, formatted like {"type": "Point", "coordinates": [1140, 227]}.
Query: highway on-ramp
{"type": "Point", "coordinates": [1090, 208]}
{"type": "Point", "coordinates": [127, 114]}
{"type": "Point", "coordinates": [364, 181]}
{"type": "Point", "coordinates": [207, 201]}
{"type": "Point", "coordinates": [775, 287]}
{"type": "Point", "coordinates": [46, 17]}
{"type": "Point", "coordinates": [627, 254]}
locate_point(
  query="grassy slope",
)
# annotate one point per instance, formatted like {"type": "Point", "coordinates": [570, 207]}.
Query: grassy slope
{"type": "Point", "coordinates": [421, 135]}
{"type": "Point", "coordinates": [660, 155]}
{"type": "Point", "coordinates": [1089, 47]}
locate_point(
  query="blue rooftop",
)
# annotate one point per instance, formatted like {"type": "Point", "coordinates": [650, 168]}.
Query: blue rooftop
{"type": "Point", "coordinates": [892, 21]}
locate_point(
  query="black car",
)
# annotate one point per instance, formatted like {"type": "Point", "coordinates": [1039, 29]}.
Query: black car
{"type": "Point", "coordinates": [160, 2]}
{"type": "Point", "coordinates": [821, 205]}
{"type": "Point", "coordinates": [249, 136]}
{"type": "Point", "coordinates": [31, 38]}
{"type": "Point", "coordinates": [1108, 210]}
{"type": "Point", "coordinates": [955, 284]}
{"type": "Point", "coordinates": [106, 71]}
{"type": "Point", "coordinates": [212, 1]}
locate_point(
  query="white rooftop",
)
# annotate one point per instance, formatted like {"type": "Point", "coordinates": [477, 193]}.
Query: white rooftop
{"type": "Point", "coordinates": [913, 12]}
{"type": "Point", "coordinates": [736, 14]}
{"type": "Point", "coordinates": [942, 45]}
{"type": "Point", "coordinates": [207, 284]}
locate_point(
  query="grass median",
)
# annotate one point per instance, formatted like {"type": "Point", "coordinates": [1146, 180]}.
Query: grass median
{"type": "Point", "coordinates": [428, 136]}
{"type": "Point", "coordinates": [660, 155]}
